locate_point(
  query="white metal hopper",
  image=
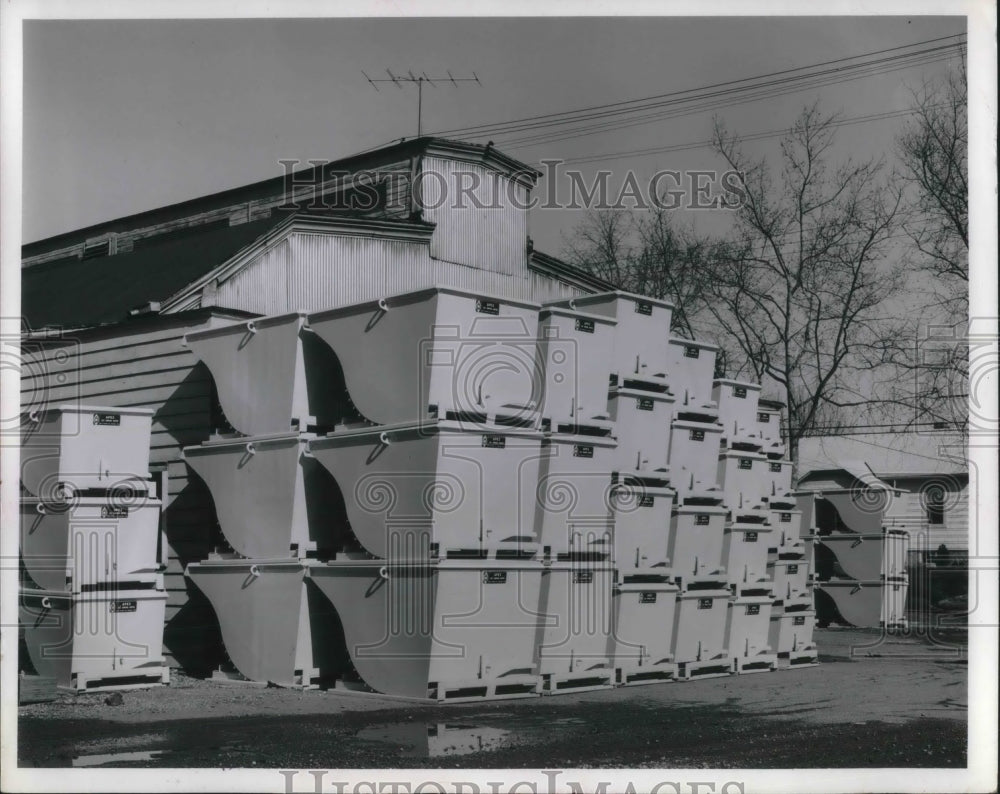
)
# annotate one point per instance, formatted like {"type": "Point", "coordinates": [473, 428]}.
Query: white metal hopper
{"type": "Point", "coordinates": [272, 630]}
{"type": "Point", "coordinates": [641, 513]}
{"type": "Point", "coordinates": [577, 622]}
{"type": "Point", "coordinates": [100, 639]}
{"type": "Point", "coordinates": [447, 630]}
{"type": "Point", "coordinates": [271, 499]}
{"type": "Point", "coordinates": [82, 447]}
{"type": "Point", "coordinates": [642, 331]}
{"type": "Point", "coordinates": [868, 556]}
{"type": "Point", "coordinates": [271, 375]}
{"type": "Point", "coordinates": [408, 486]}
{"type": "Point", "coordinates": [89, 541]}
{"type": "Point", "coordinates": [692, 370]}
{"type": "Point", "coordinates": [575, 350]}
{"type": "Point", "coordinates": [642, 426]}
{"type": "Point", "coordinates": [748, 622]}
{"type": "Point", "coordinates": [699, 636]}
{"type": "Point", "coordinates": [573, 500]}
{"type": "Point", "coordinates": [437, 352]}
{"type": "Point", "coordinates": [694, 455]}
{"type": "Point", "coordinates": [695, 540]}
{"type": "Point", "coordinates": [744, 551]}
{"type": "Point", "coordinates": [791, 633]}
{"type": "Point", "coordinates": [642, 630]}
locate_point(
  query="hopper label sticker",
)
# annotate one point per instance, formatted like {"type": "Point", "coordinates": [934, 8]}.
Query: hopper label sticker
{"type": "Point", "coordinates": [645, 403]}
{"type": "Point", "coordinates": [494, 577]}
{"type": "Point", "coordinates": [799, 620]}
{"type": "Point", "coordinates": [786, 518]}
{"type": "Point", "coordinates": [583, 577]}
{"type": "Point", "coordinates": [701, 520]}
{"type": "Point", "coordinates": [495, 441]}
{"type": "Point", "coordinates": [793, 568]}
{"type": "Point", "coordinates": [750, 537]}
{"type": "Point", "coordinates": [583, 451]}
{"type": "Point", "coordinates": [776, 467]}
{"type": "Point", "coordinates": [114, 511]}
{"type": "Point", "coordinates": [641, 307]}
{"type": "Point", "coordinates": [646, 500]}
{"type": "Point", "coordinates": [124, 606]}
{"type": "Point", "coordinates": [697, 435]}
{"type": "Point", "coordinates": [705, 603]}
{"type": "Point", "coordinates": [111, 420]}
{"type": "Point", "coordinates": [487, 307]}
{"type": "Point", "coordinates": [753, 609]}
{"type": "Point", "coordinates": [647, 598]}
{"type": "Point", "coordinates": [746, 463]}
{"type": "Point", "coordinates": [740, 391]}
{"type": "Point", "coordinates": [585, 326]}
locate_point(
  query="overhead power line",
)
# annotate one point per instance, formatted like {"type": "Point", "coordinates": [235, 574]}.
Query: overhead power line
{"type": "Point", "coordinates": [658, 100]}
{"type": "Point", "coordinates": [701, 104]}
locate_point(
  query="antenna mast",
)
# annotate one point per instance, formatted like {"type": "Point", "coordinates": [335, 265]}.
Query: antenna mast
{"type": "Point", "coordinates": [418, 81]}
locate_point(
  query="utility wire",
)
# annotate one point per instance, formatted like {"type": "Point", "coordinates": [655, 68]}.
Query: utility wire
{"type": "Point", "coordinates": [672, 94]}
{"type": "Point", "coordinates": [750, 94]}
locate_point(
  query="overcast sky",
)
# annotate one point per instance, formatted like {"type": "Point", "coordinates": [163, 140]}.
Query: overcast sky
{"type": "Point", "coordinates": [124, 116]}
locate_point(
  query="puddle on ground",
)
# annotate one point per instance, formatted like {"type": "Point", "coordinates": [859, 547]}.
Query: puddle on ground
{"type": "Point", "coordinates": [438, 739]}
{"type": "Point", "coordinates": [100, 759]}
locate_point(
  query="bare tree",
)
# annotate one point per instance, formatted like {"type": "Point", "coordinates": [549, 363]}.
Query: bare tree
{"type": "Point", "coordinates": [646, 253]}
{"type": "Point", "coordinates": [800, 290]}
{"type": "Point", "coordinates": [933, 153]}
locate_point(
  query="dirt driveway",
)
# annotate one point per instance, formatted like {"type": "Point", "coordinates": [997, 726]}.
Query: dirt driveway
{"type": "Point", "coordinates": [873, 702]}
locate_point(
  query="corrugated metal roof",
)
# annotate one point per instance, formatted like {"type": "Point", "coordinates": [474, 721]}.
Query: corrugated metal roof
{"type": "Point", "coordinates": [887, 455]}
{"type": "Point", "coordinates": [75, 293]}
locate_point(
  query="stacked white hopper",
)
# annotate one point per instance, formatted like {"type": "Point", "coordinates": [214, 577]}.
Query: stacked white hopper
{"type": "Point", "coordinates": [488, 498]}
{"type": "Point", "coordinates": [610, 457]}
{"type": "Point", "coordinates": [861, 577]}
{"type": "Point", "coordinates": [91, 599]}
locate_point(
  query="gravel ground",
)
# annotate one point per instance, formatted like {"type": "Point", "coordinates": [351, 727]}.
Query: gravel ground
{"type": "Point", "coordinates": [873, 702]}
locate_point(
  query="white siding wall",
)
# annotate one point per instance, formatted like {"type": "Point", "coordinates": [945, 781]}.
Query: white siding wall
{"type": "Point", "coordinates": [492, 236]}
{"type": "Point", "coordinates": [313, 271]}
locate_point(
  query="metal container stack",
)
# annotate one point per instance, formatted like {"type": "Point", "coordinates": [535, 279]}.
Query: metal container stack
{"type": "Point", "coordinates": [860, 560]}
{"type": "Point", "coordinates": [91, 599]}
{"type": "Point", "coordinates": [451, 496]}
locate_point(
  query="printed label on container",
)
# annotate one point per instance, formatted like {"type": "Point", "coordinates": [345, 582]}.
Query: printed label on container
{"type": "Point", "coordinates": [583, 451]}
{"type": "Point", "coordinates": [641, 307]}
{"type": "Point", "coordinates": [124, 606]}
{"type": "Point", "coordinates": [740, 391]}
{"type": "Point", "coordinates": [697, 435]}
{"type": "Point", "coordinates": [753, 609]}
{"type": "Point", "coordinates": [701, 520]}
{"type": "Point", "coordinates": [746, 463]}
{"type": "Point", "coordinates": [494, 577]}
{"type": "Point", "coordinates": [799, 620]}
{"type": "Point", "coordinates": [647, 598]}
{"type": "Point", "coordinates": [495, 441]}
{"type": "Point", "coordinates": [484, 306]}
{"type": "Point", "coordinates": [646, 500]}
{"type": "Point", "coordinates": [107, 419]}
{"type": "Point", "coordinates": [793, 568]}
{"type": "Point", "coordinates": [764, 418]}
{"type": "Point", "coordinates": [775, 467]}
{"type": "Point", "coordinates": [583, 577]}
{"type": "Point", "coordinates": [644, 403]}
{"type": "Point", "coordinates": [691, 352]}
{"type": "Point", "coordinates": [749, 537]}
{"type": "Point", "coordinates": [114, 511]}
{"type": "Point", "coordinates": [705, 603]}
{"type": "Point", "coordinates": [585, 326]}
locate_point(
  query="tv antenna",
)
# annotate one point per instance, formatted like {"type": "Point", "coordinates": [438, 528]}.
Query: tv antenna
{"type": "Point", "coordinates": [418, 81]}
